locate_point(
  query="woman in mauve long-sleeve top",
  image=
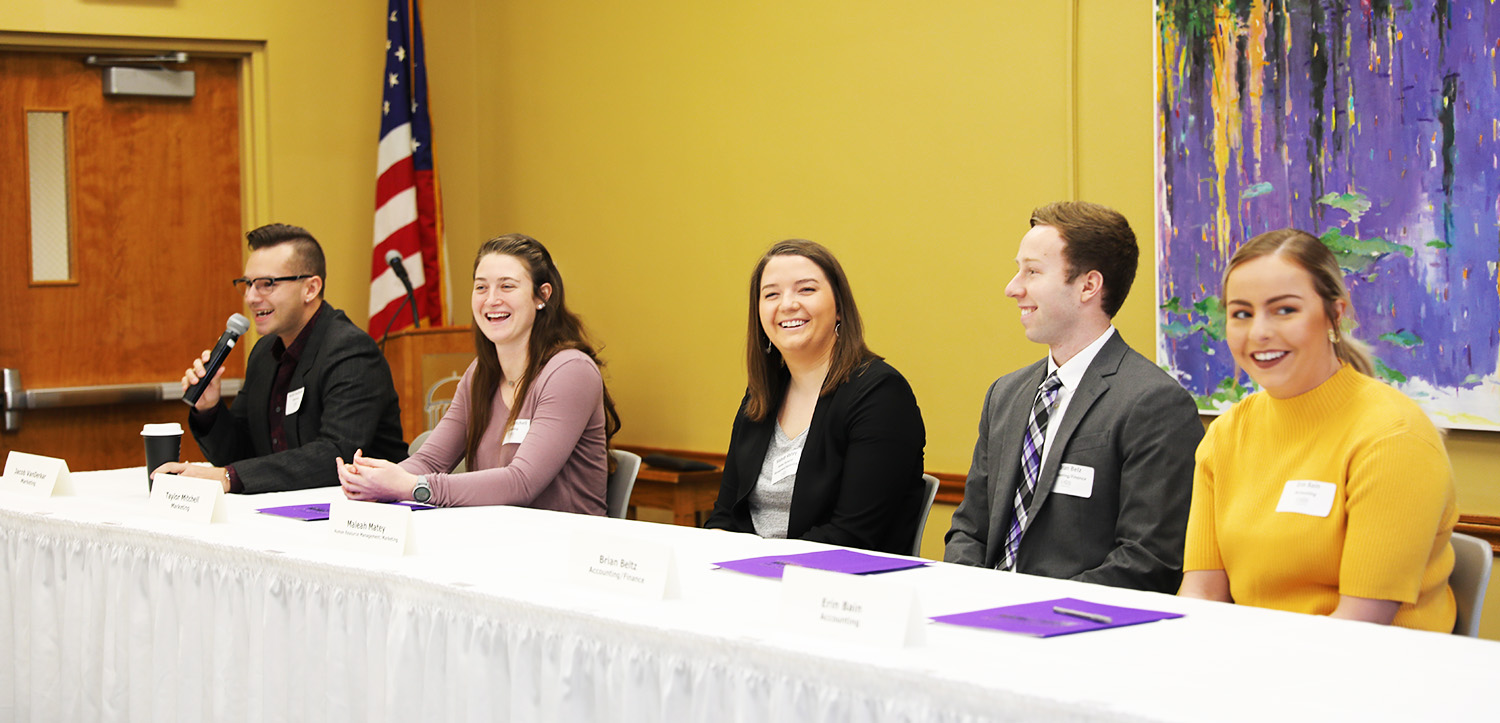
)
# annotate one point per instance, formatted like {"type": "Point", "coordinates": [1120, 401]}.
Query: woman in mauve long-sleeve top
{"type": "Point", "coordinates": [531, 417]}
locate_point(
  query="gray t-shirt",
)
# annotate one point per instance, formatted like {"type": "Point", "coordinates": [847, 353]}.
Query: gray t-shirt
{"type": "Point", "coordinates": [771, 500]}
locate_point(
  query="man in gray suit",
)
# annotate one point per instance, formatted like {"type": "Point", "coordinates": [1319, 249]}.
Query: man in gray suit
{"type": "Point", "coordinates": [1084, 464]}
{"type": "Point", "coordinates": [316, 386]}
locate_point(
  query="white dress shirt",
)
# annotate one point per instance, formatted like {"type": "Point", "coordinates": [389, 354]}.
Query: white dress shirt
{"type": "Point", "coordinates": [1070, 374]}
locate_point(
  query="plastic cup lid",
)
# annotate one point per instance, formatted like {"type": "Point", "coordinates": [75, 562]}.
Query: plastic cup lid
{"type": "Point", "coordinates": [161, 430]}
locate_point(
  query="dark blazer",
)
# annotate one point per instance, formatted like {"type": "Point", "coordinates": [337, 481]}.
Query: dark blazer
{"type": "Point", "coordinates": [1136, 428]}
{"type": "Point", "coordinates": [350, 404]}
{"type": "Point", "coordinates": [859, 480]}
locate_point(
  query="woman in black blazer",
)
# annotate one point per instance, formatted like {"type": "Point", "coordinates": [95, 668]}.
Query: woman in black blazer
{"type": "Point", "coordinates": [827, 444]}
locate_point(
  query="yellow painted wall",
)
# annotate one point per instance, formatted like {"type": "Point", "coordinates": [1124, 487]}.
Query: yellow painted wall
{"type": "Point", "coordinates": [658, 148]}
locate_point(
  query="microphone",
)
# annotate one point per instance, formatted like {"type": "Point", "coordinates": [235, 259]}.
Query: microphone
{"type": "Point", "coordinates": [393, 257]}
{"type": "Point", "coordinates": [236, 326]}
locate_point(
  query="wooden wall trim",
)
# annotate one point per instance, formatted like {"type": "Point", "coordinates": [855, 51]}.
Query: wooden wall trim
{"type": "Point", "coordinates": [1485, 527]}
{"type": "Point", "coordinates": [951, 491]}
{"type": "Point", "coordinates": [950, 485]}
{"type": "Point", "coordinates": [645, 449]}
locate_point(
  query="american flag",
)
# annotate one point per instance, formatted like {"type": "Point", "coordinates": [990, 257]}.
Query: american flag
{"type": "Point", "coordinates": [408, 207]}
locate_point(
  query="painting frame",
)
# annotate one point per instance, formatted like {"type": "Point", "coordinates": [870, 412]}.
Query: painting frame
{"type": "Point", "coordinates": [1371, 125]}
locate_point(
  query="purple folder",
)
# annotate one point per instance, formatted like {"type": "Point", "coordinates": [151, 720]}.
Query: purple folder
{"type": "Point", "coordinates": [310, 513]}
{"type": "Point", "coordinates": [849, 561]}
{"type": "Point", "coordinates": [313, 513]}
{"type": "Point", "coordinates": [1040, 619]}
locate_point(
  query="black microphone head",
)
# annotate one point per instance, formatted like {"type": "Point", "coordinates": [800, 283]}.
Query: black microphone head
{"type": "Point", "coordinates": [393, 257]}
{"type": "Point", "coordinates": [237, 324]}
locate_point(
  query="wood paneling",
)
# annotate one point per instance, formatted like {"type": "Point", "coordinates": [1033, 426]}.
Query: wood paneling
{"type": "Point", "coordinates": [157, 235]}
{"type": "Point", "coordinates": [103, 437]}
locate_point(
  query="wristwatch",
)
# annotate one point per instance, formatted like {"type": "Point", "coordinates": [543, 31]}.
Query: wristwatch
{"type": "Point", "coordinates": [423, 491]}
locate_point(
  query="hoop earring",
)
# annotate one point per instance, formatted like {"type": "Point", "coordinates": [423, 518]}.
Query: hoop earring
{"type": "Point", "coordinates": [768, 347]}
{"type": "Point", "coordinates": [837, 325]}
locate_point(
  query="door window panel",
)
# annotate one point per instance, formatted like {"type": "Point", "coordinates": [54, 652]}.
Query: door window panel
{"type": "Point", "coordinates": [47, 167]}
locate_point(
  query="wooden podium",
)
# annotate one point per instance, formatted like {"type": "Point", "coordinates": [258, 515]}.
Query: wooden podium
{"type": "Point", "coordinates": [420, 358]}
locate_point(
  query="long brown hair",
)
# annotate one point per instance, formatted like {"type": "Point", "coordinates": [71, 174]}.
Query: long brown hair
{"type": "Point", "coordinates": [1318, 261]}
{"type": "Point", "coordinates": [554, 329]}
{"type": "Point", "coordinates": [849, 350]}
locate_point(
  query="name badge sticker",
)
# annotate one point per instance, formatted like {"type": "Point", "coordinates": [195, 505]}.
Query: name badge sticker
{"type": "Point", "coordinates": [294, 400]}
{"type": "Point", "coordinates": [1075, 480]}
{"type": "Point", "coordinates": [849, 608]}
{"type": "Point", "coordinates": [1307, 497]}
{"type": "Point", "coordinates": [785, 465]}
{"type": "Point", "coordinates": [371, 527]}
{"type": "Point", "coordinates": [517, 432]}
{"type": "Point", "coordinates": [626, 565]}
{"type": "Point", "coordinates": [187, 498]}
{"type": "Point", "coordinates": [35, 476]}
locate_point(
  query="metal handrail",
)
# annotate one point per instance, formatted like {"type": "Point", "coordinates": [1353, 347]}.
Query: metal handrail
{"type": "Point", "coordinates": [14, 398]}
{"type": "Point", "coordinates": [107, 394]}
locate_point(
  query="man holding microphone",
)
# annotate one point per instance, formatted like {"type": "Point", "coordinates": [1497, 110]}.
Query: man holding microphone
{"type": "Point", "coordinates": [316, 386]}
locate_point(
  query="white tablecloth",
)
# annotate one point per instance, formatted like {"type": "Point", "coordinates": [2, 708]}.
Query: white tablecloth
{"type": "Point", "coordinates": [109, 613]}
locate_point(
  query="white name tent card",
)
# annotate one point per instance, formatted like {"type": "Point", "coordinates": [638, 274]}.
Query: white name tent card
{"type": "Point", "coordinates": [371, 527]}
{"type": "Point", "coordinates": [187, 498]}
{"type": "Point", "coordinates": [850, 608]}
{"type": "Point", "coordinates": [35, 476]}
{"type": "Point", "coordinates": [626, 565]}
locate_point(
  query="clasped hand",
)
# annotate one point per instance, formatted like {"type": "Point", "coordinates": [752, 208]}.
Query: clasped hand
{"type": "Point", "coordinates": [367, 479]}
{"type": "Point", "coordinates": [183, 469]}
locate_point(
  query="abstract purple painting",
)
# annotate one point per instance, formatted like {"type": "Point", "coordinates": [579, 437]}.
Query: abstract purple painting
{"type": "Point", "coordinates": [1371, 124]}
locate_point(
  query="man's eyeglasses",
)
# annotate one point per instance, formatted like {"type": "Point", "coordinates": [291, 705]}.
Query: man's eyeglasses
{"type": "Point", "coordinates": [264, 284]}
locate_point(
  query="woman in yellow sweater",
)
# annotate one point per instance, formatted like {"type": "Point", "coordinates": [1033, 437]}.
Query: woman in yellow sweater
{"type": "Point", "coordinates": [1327, 492]}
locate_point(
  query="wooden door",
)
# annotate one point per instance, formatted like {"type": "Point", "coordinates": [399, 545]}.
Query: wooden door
{"type": "Point", "coordinates": [156, 238]}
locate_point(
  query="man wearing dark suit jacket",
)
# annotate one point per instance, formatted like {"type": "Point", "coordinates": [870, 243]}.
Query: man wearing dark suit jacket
{"type": "Point", "coordinates": [316, 386]}
{"type": "Point", "coordinates": [1110, 443]}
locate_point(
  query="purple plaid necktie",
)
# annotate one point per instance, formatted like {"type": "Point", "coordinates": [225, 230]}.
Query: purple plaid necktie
{"type": "Point", "coordinates": [1031, 466]}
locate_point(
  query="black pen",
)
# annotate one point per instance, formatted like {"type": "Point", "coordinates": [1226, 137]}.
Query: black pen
{"type": "Point", "coordinates": [1094, 617]}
